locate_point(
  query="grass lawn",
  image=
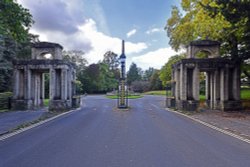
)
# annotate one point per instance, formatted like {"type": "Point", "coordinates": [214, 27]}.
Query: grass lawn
{"type": "Point", "coordinates": [129, 97]}
{"type": "Point", "coordinates": [46, 102]}
{"type": "Point", "coordinates": [244, 94]}
{"type": "Point", "coordinates": [156, 92]}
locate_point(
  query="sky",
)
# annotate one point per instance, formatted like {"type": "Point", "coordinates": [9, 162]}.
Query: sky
{"type": "Point", "coordinates": [98, 26]}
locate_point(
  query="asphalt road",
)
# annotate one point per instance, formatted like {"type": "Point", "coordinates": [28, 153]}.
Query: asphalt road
{"type": "Point", "coordinates": [145, 136]}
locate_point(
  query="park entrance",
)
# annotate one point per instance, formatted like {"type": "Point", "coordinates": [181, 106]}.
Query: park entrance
{"type": "Point", "coordinates": [222, 79]}
{"type": "Point", "coordinates": [29, 76]}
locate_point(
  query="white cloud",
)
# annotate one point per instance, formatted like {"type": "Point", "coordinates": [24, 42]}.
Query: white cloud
{"type": "Point", "coordinates": [153, 30]}
{"type": "Point", "coordinates": [102, 43]}
{"type": "Point", "coordinates": [155, 59]}
{"type": "Point", "coordinates": [68, 27]}
{"type": "Point", "coordinates": [131, 33]}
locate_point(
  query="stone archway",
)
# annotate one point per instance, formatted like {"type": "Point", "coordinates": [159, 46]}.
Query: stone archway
{"type": "Point", "coordinates": [29, 79]}
{"type": "Point", "coordinates": [222, 79]}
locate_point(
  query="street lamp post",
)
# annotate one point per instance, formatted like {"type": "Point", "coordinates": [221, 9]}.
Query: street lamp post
{"type": "Point", "coordinates": [122, 91]}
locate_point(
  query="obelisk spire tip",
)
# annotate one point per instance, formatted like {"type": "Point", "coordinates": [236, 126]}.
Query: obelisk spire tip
{"type": "Point", "coordinates": [123, 47]}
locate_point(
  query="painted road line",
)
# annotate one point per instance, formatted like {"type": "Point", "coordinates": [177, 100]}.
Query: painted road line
{"type": "Point", "coordinates": [212, 126]}
{"type": "Point", "coordinates": [4, 137]}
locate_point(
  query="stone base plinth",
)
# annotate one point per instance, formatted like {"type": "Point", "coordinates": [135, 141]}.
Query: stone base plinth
{"type": "Point", "coordinates": [231, 105]}
{"type": "Point", "coordinates": [22, 104]}
{"type": "Point", "coordinates": [170, 102]}
{"type": "Point", "coordinates": [76, 101]}
{"type": "Point", "coordinates": [187, 105]}
{"type": "Point", "coordinates": [59, 105]}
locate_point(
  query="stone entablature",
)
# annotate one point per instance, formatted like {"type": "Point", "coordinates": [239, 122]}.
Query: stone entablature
{"type": "Point", "coordinates": [222, 81]}
{"type": "Point", "coordinates": [29, 87]}
{"type": "Point", "coordinates": [212, 47]}
{"type": "Point", "coordinates": [41, 48]}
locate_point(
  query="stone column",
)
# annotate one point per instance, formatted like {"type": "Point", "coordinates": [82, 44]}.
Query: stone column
{"type": "Point", "coordinates": [217, 85]}
{"type": "Point", "coordinates": [183, 82]}
{"type": "Point", "coordinates": [37, 89]}
{"type": "Point", "coordinates": [64, 84]}
{"type": "Point", "coordinates": [16, 82]}
{"type": "Point", "coordinates": [212, 96]}
{"type": "Point", "coordinates": [196, 83]}
{"type": "Point", "coordinates": [52, 83]}
{"type": "Point", "coordinates": [236, 83]}
{"type": "Point", "coordinates": [43, 86]}
{"type": "Point", "coordinates": [21, 90]}
{"type": "Point", "coordinates": [177, 84]}
{"type": "Point", "coordinates": [208, 86]}
{"type": "Point", "coordinates": [172, 83]}
{"type": "Point", "coordinates": [224, 84]}
{"type": "Point", "coordinates": [58, 83]}
{"type": "Point", "coordinates": [27, 73]}
{"type": "Point", "coordinates": [69, 79]}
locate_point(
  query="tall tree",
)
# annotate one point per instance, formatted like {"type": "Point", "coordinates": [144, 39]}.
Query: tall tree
{"type": "Point", "coordinates": [15, 22]}
{"type": "Point", "coordinates": [112, 60]}
{"type": "Point", "coordinates": [133, 74]}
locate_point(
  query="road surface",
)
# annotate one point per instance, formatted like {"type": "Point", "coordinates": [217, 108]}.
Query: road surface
{"type": "Point", "coordinates": [145, 136]}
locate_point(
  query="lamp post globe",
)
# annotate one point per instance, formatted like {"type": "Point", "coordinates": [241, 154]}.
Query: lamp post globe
{"type": "Point", "coordinates": [122, 61]}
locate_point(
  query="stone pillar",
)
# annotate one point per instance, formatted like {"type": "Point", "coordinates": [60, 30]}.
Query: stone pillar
{"type": "Point", "coordinates": [37, 89]}
{"type": "Point", "coordinates": [208, 86]}
{"type": "Point", "coordinates": [236, 83]}
{"type": "Point", "coordinates": [69, 79]}
{"type": "Point", "coordinates": [52, 84]}
{"type": "Point", "coordinates": [16, 84]}
{"type": "Point", "coordinates": [183, 82]}
{"type": "Point", "coordinates": [196, 83]}
{"type": "Point", "coordinates": [189, 86]}
{"type": "Point", "coordinates": [27, 73]}
{"type": "Point", "coordinates": [58, 83]}
{"type": "Point", "coordinates": [172, 83]}
{"type": "Point", "coordinates": [212, 96]}
{"type": "Point", "coordinates": [43, 86]}
{"type": "Point", "coordinates": [217, 85]}
{"type": "Point", "coordinates": [177, 84]}
{"type": "Point", "coordinates": [224, 84]}
{"type": "Point", "coordinates": [217, 89]}
{"type": "Point", "coordinates": [64, 79]}
{"type": "Point", "coordinates": [21, 84]}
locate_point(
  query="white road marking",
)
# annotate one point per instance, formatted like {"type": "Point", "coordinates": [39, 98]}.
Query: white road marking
{"type": "Point", "coordinates": [211, 126]}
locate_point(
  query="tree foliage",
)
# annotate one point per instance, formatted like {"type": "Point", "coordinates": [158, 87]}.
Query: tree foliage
{"type": "Point", "coordinates": [15, 20]}
{"type": "Point", "coordinates": [166, 70]}
{"type": "Point", "coordinates": [195, 24]}
{"type": "Point", "coordinates": [133, 74]}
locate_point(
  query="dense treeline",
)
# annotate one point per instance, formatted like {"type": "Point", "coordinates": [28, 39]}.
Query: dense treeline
{"type": "Point", "coordinates": [104, 76]}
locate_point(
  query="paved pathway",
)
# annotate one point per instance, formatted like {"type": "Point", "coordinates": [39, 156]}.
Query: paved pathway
{"type": "Point", "coordinates": [145, 136]}
{"type": "Point", "coordinates": [11, 120]}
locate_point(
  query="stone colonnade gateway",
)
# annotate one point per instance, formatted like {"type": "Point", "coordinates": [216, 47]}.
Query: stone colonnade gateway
{"type": "Point", "coordinates": [29, 87]}
{"type": "Point", "coordinates": [222, 79]}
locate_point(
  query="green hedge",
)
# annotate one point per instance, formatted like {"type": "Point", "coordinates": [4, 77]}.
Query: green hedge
{"type": "Point", "coordinates": [4, 100]}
